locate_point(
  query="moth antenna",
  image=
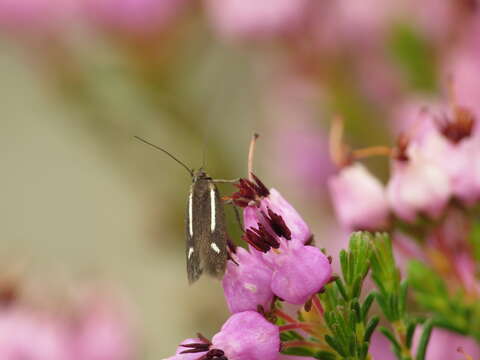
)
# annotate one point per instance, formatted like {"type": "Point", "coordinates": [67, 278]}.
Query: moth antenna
{"type": "Point", "coordinates": [190, 171]}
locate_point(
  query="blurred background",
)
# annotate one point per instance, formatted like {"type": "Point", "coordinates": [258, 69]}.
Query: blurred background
{"type": "Point", "coordinates": [90, 213]}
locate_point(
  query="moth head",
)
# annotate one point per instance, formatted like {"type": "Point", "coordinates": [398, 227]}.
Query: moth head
{"type": "Point", "coordinates": [200, 174]}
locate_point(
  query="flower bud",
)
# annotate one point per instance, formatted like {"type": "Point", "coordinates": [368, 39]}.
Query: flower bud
{"type": "Point", "coordinates": [417, 187]}
{"type": "Point", "coordinates": [359, 199]}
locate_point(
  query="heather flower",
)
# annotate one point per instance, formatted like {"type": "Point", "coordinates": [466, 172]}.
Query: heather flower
{"type": "Point", "coordinates": [444, 345]}
{"type": "Point", "coordinates": [244, 336]}
{"type": "Point", "coordinates": [246, 283]}
{"type": "Point", "coordinates": [35, 17]}
{"type": "Point", "coordinates": [26, 334]}
{"type": "Point", "coordinates": [299, 272]}
{"type": "Point", "coordinates": [453, 147]}
{"type": "Point", "coordinates": [102, 333]}
{"type": "Point", "coordinates": [359, 199]}
{"type": "Point", "coordinates": [278, 262]}
{"type": "Point", "coordinates": [258, 202]}
{"type": "Point", "coordinates": [250, 19]}
{"type": "Point", "coordinates": [135, 17]}
{"type": "Point", "coordinates": [416, 187]}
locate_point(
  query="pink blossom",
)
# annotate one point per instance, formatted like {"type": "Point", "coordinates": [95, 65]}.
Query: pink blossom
{"type": "Point", "coordinates": [25, 334]}
{"type": "Point", "coordinates": [277, 204]}
{"type": "Point", "coordinates": [299, 272]}
{"type": "Point", "coordinates": [446, 140]}
{"type": "Point", "coordinates": [244, 336]}
{"type": "Point", "coordinates": [136, 17]}
{"type": "Point", "coordinates": [179, 355]}
{"type": "Point", "coordinates": [240, 19]}
{"type": "Point", "coordinates": [102, 333]}
{"type": "Point", "coordinates": [417, 186]}
{"type": "Point", "coordinates": [34, 17]}
{"type": "Point", "coordinates": [247, 285]}
{"type": "Point", "coordinates": [444, 345]}
{"type": "Point", "coordinates": [359, 199]}
{"type": "Point", "coordinates": [258, 202]}
{"type": "Point", "coordinates": [278, 260]}
{"type": "Point", "coordinates": [248, 336]}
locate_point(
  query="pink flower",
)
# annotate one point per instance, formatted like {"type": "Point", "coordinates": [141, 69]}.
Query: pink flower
{"type": "Point", "coordinates": [244, 336]}
{"type": "Point", "coordinates": [260, 202]}
{"type": "Point", "coordinates": [240, 19]}
{"type": "Point", "coordinates": [102, 333]}
{"type": "Point", "coordinates": [359, 199]}
{"type": "Point", "coordinates": [180, 355]}
{"type": "Point", "coordinates": [28, 335]}
{"type": "Point", "coordinates": [447, 141]}
{"type": "Point", "coordinates": [444, 345]}
{"type": "Point", "coordinates": [417, 186]}
{"type": "Point", "coordinates": [278, 262]}
{"type": "Point", "coordinates": [299, 272]}
{"type": "Point", "coordinates": [35, 17]}
{"type": "Point", "coordinates": [248, 336]}
{"type": "Point", "coordinates": [136, 17]}
{"type": "Point", "coordinates": [247, 285]}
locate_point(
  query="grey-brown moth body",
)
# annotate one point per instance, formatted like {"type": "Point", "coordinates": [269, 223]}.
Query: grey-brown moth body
{"type": "Point", "coordinates": [206, 234]}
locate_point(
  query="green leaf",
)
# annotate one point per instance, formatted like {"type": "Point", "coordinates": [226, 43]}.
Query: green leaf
{"type": "Point", "coordinates": [325, 355]}
{"type": "Point", "coordinates": [424, 339]}
{"type": "Point", "coordinates": [371, 326]}
{"type": "Point", "coordinates": [388, 334]}
{"type": "Point", "coordinates": [367, 304]}
{"type": "Point", "coordinates": [298, 351]}
{"type": "Point", "coordinates": [410, 332]}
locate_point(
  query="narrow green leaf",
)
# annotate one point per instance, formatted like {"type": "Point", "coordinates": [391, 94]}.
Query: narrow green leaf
{"type": "Point", "coordinates": [410, 331]}
{"type": "Point", "coordinates": [391, 337]}
{"type": "Point", "coordinates": [372, 324]}
{"type": "Point", "coordinates": [298, 351]}
{"type": "Point", "coordinates": [334, 345]}
{"type": "Point", "coordinates": [341, 289]}
{"type": "Point", "coordinates": [325, 355]}
{"type": "Point", "coordinates": [424, 339]}
{"type": "Point", "coordinates": [344, 264]}
{"type": "Point", "coordinates": [367, 304]}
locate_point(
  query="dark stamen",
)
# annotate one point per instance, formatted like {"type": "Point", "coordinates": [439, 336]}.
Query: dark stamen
{"type": "Point", "coordinates": [203, 339]}
{"type": "Point", "coordinates": [196, 345]}
{"type": "Point", "coordinates": [261, 239]}
{"type": "Point", "coordinates": [249, 191]}
{"type": "Point", "coordinates": [400, 151]}
{"type": "Point", "coordinates": [278, 224]}
{"type": "Point", "coordinates": [260, 188]}
{"type": "Point", "coordinates": [460, 127]}
{"type": "Point", "coordinates": [193, 351]}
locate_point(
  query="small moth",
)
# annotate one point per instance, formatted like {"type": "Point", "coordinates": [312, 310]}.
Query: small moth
{"type": "Point", "coordinates": [205, 228]}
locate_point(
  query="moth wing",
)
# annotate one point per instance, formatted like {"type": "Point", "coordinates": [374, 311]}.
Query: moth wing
{"type": "Point", "coordinates": [192, 249]}
{"type": "Point", "coordinates": [213, 247]}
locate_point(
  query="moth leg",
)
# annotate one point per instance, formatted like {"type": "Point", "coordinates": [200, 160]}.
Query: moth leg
{"type": "Point", "coordinates": [225, 180]}
{"type": "Point", "coordinates": [237, 214]}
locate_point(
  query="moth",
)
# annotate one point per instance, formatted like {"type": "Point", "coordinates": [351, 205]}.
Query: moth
{"type": "Point", "coordinates": [205, 226]}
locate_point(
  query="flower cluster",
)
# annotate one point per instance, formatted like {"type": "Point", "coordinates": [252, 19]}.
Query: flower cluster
{"type": "Point", "coordinates": [245, 336]}
{"type": "Point", "coordinates": [432, 165]}
{"type": "Point", "coordinates": [279, 264]}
